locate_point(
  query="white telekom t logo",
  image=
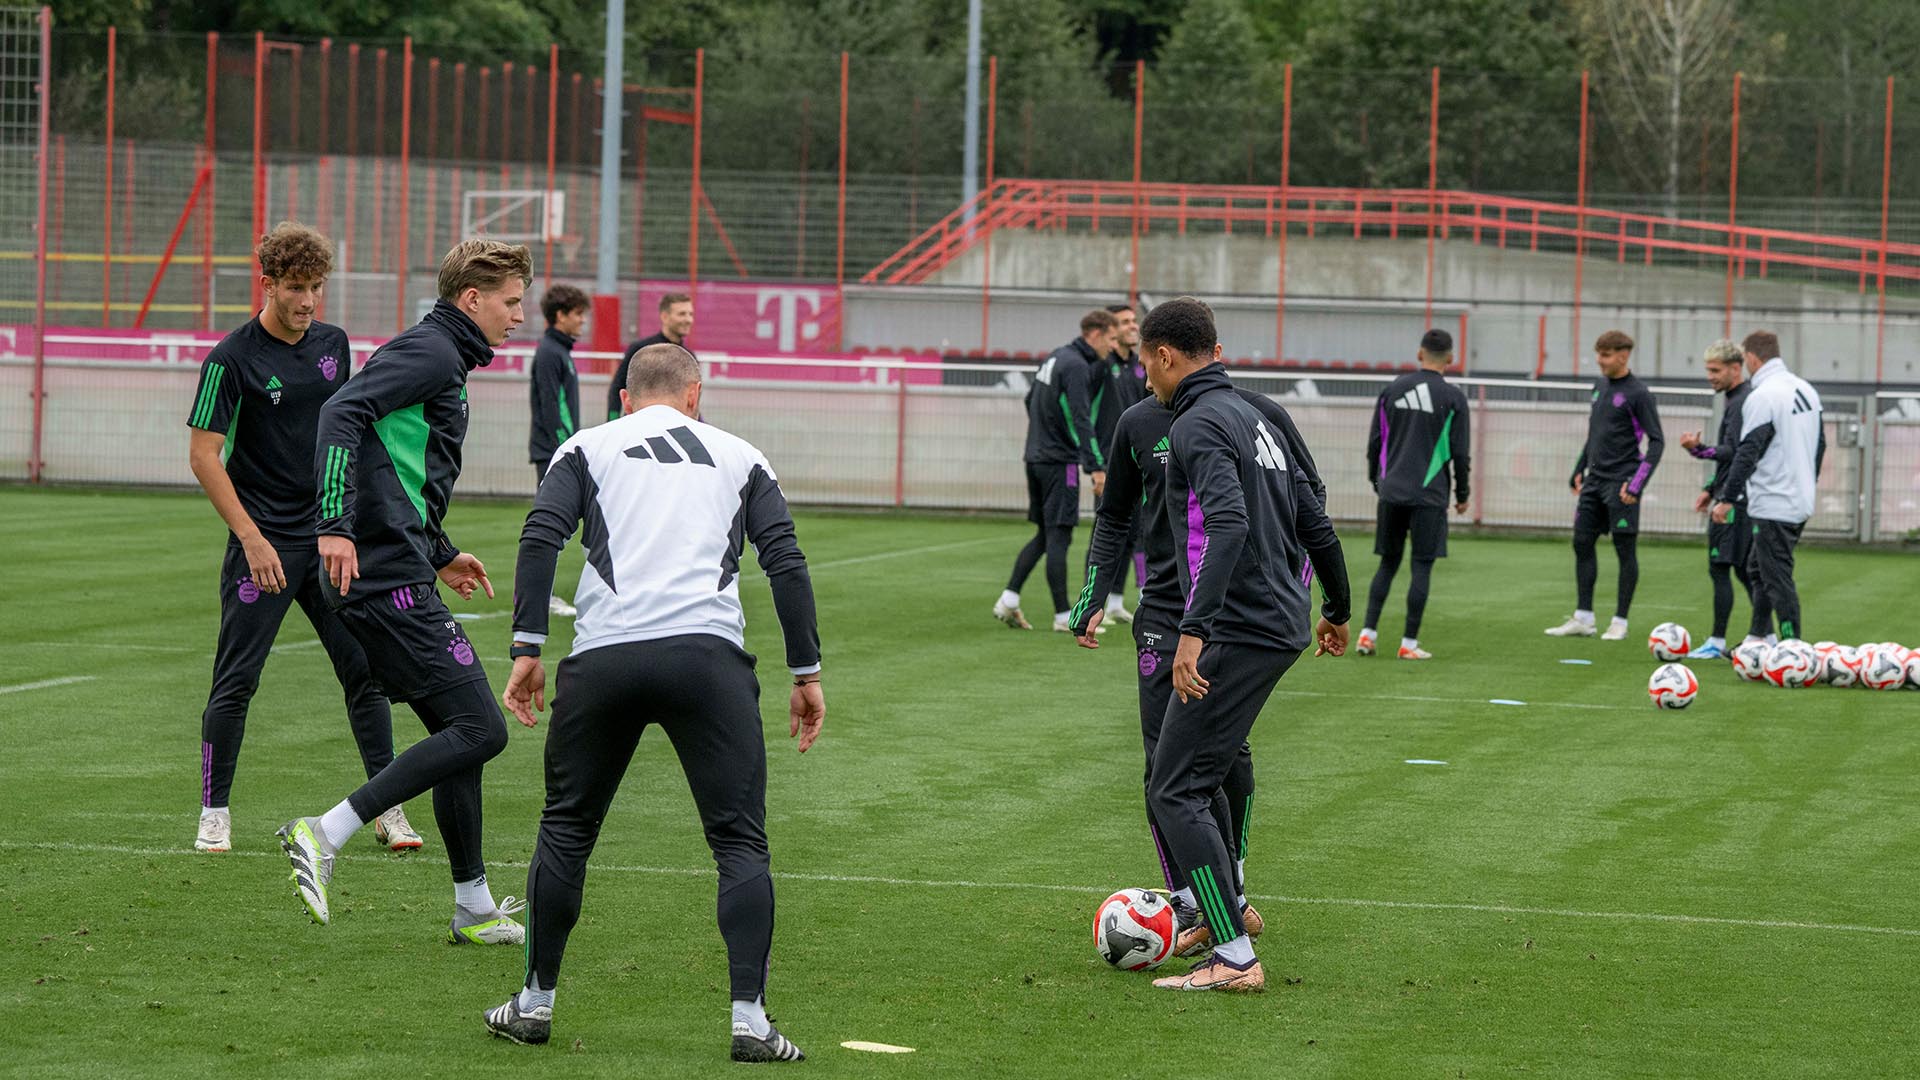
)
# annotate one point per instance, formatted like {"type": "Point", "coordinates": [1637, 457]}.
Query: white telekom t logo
{"type": "Point", "coordinates": [786, 329]}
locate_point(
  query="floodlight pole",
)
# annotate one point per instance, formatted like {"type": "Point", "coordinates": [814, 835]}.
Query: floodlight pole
{"type": "Point", "coordinates": [606, 284]}
{"type": "Point", "coordinates": [970, 152]}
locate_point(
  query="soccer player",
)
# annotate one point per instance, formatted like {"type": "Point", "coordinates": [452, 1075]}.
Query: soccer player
{"type": "Point", "coordinates": [1607, 483]}
{"type": "Point", "coordinates": [668, 503]}
{"type": "Point", "coordinates": [1122, 383]}
{"type": "Point", "coordinates": [1727, 542]}
{"type": "Point", "coordinates": [1783, 443]}
{"type": "Point", "coordinates": [1419, 434]}
{"type": "Point", "coordinates": [1136, 477]}
{"type": "Point", "coordinates": [1060, 443]}
{"type": "Point", "coordinates": [676, 322]}
{"type": "Point", "coordinates": [555, 388]}
{"type": "Point", "coordinates": [387, 455]}
{"type": "Point", "coordinates": [1246, 522]}
{"type": "Point", "coordinates": [251, 448]}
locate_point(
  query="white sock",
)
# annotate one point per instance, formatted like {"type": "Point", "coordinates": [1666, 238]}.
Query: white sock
{"type": "Point", "coordinates": [208, 811]}
{"type": "Point", "coordinates": [754, 1015]}
{"type": "Point", "coordinates": [1238, 951]}
{"type": "Point", "coordinates": [1409, 643]}
{"type": "Point", "coordinates": [1183, 899]}
{"type": "Point", "coordinates": [1619, 622]}
{"type": "Point", "coordinates": [531, 999]}
{"type": "Point", "coordinates": [1009, 598]}
{"type": "Point", "coordinates": [1583, 616]}
{"type": "Point", "coordinates": [338, 825]}
{"type": "Point", "coordinates": [1062, 616]}
{"type": "Point", "coordinates": [1115, 601]}
{"type": "Point", "coordinates": [1717, 642]}
{"type": "Point", "coordinates": [474, 896]}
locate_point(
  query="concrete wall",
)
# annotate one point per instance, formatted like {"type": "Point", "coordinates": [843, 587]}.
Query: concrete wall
{"type": "Point", "coordinates": [1362, 301]}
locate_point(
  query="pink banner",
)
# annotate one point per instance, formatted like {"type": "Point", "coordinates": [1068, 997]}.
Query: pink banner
{"type": "Point", "coordinates": [750, 318]}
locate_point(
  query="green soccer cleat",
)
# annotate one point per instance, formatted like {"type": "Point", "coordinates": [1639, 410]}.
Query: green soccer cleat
{"type": "Point", "coordinates": [499, 930]}
{"type": "Point", "coordinates": [312, 866]}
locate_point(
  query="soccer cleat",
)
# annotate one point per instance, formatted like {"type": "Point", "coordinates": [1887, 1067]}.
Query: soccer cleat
{"type": "Point", "coordinates": [1616, 631]}
{"type": "Point", "coordinates": [499, 930]}
{"type": "Point", "coordinates": [1195, 938]}
{"type": "Point", "coordinates": [1218, 974]}
{"type": "Point", "coordinates": [1117, 613]}
{"type": "Point", "coordinates": [1011, 616]}
{"type": "Point", "coordinates": [1709, 651]}
{"type": "Point", "coordinates": [312, 866]}
{"type": "Point", "coordinates": [1364, 644]}
{"type": "Point", "coordinates": [216, 832]}
{"type": "Point", "coordinates": [1572, 628]}
{"type": "Point", "coordinates": [1063, 624]}
{"type": "Point", "coordinates": [528, 1028]}
{"type": "Point", "coordinates": [1415, 653]}
{"type": "Point", "coordinates": [391, 831]}
{"type": "Point", "coordinates": [557, 606]}
{"type": "Point", "coordinates": [753, 1049]}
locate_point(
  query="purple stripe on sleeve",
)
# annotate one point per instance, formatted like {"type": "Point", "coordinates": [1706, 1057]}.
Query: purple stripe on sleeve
{"type": "Point", "coordinates": [1639, 476]}
{"type": "Point", "coordinates": [1306, 573]}
{"type": "Point", "coordinates": [1196, 544]}
{"type": "Point", "coordinates": [1383, 438]}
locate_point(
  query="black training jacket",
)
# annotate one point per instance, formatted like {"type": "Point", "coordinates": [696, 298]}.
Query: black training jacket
{"type": "Point", "coordinates": [1419, 434]}
{"type": "Point", "coordinates": [1623, 414]}
{"type": "Point", "coordinates": [554, 391]}
{"type": "Point", "coordinates": [1059, 423]}
{"type": "Point", "coordinates": [626, 361]}
{"type": "Point", "coordinates": [1725, 444]}
{"type": "Point", "coordinates": [389, 451]}
{"type": "Point", "coordinates": [1245, 524]}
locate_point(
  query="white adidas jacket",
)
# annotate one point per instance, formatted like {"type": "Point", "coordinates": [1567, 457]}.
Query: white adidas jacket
{"type": "Point", "coordinates": [1781, 487]}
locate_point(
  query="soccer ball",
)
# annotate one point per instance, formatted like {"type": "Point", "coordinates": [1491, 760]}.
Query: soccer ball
{"type": "Point", "coordinates": [1881, 668]}
{"type": "Point", "coordinates": [1134, 930]}
{"type": "Point", "coordinates": [1897, 649]}
{"type": "Point", "coordinates": [1669, 641]}
{"type": "Point", "coordinates": [1672, 687]}
{"type": "Point", "coordinates": [1791, 664]}
{"type": "Point", "coordinates": [1749, 659]}
{"type": "Point", "coordinates": [1913, 669]}
{"type": "Point", "coordinates": [1823, 652]}
{"type": "Point", "coordinates": [1841, 667]}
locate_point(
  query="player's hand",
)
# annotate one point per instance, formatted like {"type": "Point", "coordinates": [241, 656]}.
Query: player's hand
{"type": "Point", "coordinates": [341, 560]}
{"type": "Point", "coordinates": [1330, 640]}
{"type": "Point", "coordinates": [1460, 507]}
{"type": "Point", "coordinates": [527, 686]}
{"type": "Point", "coordinates": [264, 564]}
{"type": "Point", "coordinates": [1720, 512]}
{"type": "Point", "coordinates": [1099, 483]}
{"type": "Point", "coordinates": [806, 710]}
{"type": "Point", "coordinates": [1689, 440]}
{"type": "Point", "coordinates": [464, 574]}
{"type": "Point", "coordinates": [1701, 502]}
{"type": "Point", "coordinates": [1626, 497]}
{"type": "Point", "coordinates": [1187, 682]}
{"type": "Point", "coordinates": [1578, 481]}
{"type": "Point", "coordinates": [1086, 638]}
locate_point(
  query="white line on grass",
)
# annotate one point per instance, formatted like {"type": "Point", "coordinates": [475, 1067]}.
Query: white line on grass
{"type": "Point", "coordinates": [867, 879]}
{"type": "Point", "coordinates": [44, 684]}
{"type": "Point", "coordinates": [1444, 700]}
{"type": "Point", "coordinates": [899, 554]}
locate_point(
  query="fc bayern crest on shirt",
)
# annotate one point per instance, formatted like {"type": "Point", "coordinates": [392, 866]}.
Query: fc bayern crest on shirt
{"type": "Point", "coordinates": [329, 368]}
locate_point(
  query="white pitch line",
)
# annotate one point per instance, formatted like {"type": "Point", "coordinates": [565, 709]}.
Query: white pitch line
{"type": "Point", "coordinates": [44, 684]}
{"type": "Point", "coordinates": [899, 554]}
{"type": "Point", "coordinates": [868, 879]}
{"type": "Point", "coordinates": [1443, 700]}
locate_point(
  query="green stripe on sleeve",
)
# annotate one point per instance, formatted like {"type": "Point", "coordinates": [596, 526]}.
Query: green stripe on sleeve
{"type": "Point", "coordinates": [1086, 596]}
{"type": "Point", "coordinates": [209, 394]}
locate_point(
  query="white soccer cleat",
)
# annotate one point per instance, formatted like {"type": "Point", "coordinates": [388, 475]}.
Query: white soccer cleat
{"type": "Point", "coordinates": [216, 832]}
{"type": "Point", "coordinates": [557, 606]}
{"type": "Point", "coordinates": [1364, 644]}
{"type": "Point", "coordinates": [1616, 631]}
{"type": "Point", "coordinates": [1573, 628]}
{"type": "Point", "coordinates": [1117, 613]}
{"type": "Point", "coordinates": [391, 831]}
{"type": "Point", "coordinates": [501, 929]}
{"type": "Point", "coordinates": [1414, 653]}
{"type": "Point", "coordinates": [1011, 616]}
{"type": "Point", "coordinates": [1063, 624]}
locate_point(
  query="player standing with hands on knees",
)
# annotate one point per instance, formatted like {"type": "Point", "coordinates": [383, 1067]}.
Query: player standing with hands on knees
{"type": "Point", "coordinates": [1247, 523]}
{"type": "Point", "coordinates": [387, 458]}
{"type": "Point", "coordinates": [668, 503]}
{"type": "Point", "coordinates": [1608, 481]}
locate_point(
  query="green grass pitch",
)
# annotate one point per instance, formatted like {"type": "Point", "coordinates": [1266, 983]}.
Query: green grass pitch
{"type": "Point", "coordinates": [1589, 887]}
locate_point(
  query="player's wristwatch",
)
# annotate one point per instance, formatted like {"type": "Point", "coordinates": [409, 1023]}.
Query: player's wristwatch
{"type": "Point", "coordinates": [519, 650]}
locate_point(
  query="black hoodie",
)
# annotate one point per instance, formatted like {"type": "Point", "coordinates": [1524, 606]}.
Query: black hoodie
{"type": "Point", "coordinates": [1245, 523]}
{"type": "Point", "coordinates": [389, 451]}
{"type": "Point", "coordinates": [554, 390]}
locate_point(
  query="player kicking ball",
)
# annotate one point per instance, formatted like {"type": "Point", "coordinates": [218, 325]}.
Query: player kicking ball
{"type": "Point", "coordinates": [387, 456]}
{"type": "Point", "coordinates": [1246, 523]}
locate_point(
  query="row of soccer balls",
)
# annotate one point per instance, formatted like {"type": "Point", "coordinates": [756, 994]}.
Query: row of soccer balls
{"type": "Point", "coordinates": [1792, 664]}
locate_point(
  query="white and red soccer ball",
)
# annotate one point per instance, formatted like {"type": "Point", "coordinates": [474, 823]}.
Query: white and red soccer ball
{"type": "Point", "coordinates": [1669, 642]}
{"type": "Point", "coordinates": [1791, 664]}
{"type": "Point", "coordinates": [1135, 929]}
{"type": "Point", "coordinates": [1750, 659]}
{"type": "Point", "coordinates": [1883, 666]}
{"type": "Point", "coordinates": [1841, 667]}
{"type": "Point", "coordinates": [1672, 686]}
